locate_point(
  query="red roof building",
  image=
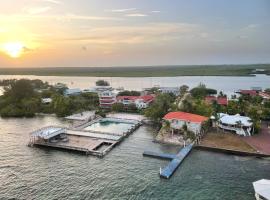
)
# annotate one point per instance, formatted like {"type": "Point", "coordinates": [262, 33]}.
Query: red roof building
{"type": "Point", "coordinates": [140, 101]}
{"type": "Point", "coordinates": [264, 95]}
{"type": "Point", "coordinates": [248, 92]}
{"type": "Point", "coordinates": [220, 100]}
{"type": "Point", "coordinates": [179, 119]}
{"type": "Point", "coordinates": [188, 117]}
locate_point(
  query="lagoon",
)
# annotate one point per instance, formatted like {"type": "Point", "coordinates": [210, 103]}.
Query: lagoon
{"type": "Point", "coordinates": [40, 173]}
{"type": "Point", "coordinates": [228, 84]}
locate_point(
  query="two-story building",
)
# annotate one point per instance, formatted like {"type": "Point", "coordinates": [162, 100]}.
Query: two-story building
{"type": "Point", "coordinates": [107, 99]}
{"type": "Point", "coordinates": [179, 119]}
{"type": "Point", "coordinates": [141, 102]}
{"type": "Point", "coordinates": [241, 125]}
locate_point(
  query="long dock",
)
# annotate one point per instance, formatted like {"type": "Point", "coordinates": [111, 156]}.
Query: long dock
{"type": "Point", "coordinates": [159, 155]}
{"type": "Point", "coordinates": [176, 160]}
{"type": "Point", "coordinates": [168, 171]}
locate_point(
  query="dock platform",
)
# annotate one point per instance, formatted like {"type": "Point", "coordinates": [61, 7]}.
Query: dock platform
{"type": "Point", "coordinates": [168, 171]}
{"type": "Point", "coordinates": [159, 155]}
{"type": "Point", "coordinates": [176, 160]}
{"type": "Point", "coordinates": [77, 139]}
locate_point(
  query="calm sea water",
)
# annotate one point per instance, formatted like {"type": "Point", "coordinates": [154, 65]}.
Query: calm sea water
{"type": "Point", "coordinates": [227, 84]}
{"type": "Point", "coordinates": [34, 173]}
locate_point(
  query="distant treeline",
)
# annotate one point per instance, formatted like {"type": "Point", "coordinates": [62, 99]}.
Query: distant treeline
{"type": "Point", "coordinates": [147, 71]}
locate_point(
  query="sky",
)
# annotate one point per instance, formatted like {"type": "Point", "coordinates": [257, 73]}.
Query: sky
{"type": "Point", "coordinates": [98, 33]}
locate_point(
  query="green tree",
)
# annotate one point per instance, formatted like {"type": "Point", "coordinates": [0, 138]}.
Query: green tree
{"type": "Point", "coordinates": [61, 105]}
{"type": "Point", "coordinates": [19, 89]}
{"type": "Point", "coordinates": [183, 90]}
{"type": "Point", "coordinates": [129, 93]}
{"type": "Point", "coordinates": [118, 107]}
{"type": "Point", "coordinates": [102, 83]}
{"type": "Point", "coordinates": [159, 107]}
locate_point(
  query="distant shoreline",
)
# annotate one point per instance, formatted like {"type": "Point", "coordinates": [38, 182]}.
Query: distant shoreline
{"type": "Point", "coordinates": [148, 71]}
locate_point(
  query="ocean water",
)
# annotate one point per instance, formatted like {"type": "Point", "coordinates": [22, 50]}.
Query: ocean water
{"type": "Point", "coordinates": [41, 173]}
{"type": "Point", "coordinates": [227, 84]}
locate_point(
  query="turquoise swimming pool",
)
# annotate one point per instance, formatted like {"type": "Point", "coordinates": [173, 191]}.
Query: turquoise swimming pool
{"type": "Point", "coordinates": [109, 126]}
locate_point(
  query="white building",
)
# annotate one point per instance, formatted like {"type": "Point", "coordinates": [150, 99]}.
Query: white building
{"type": "Point", "coordinates": [72, 92]}
{"type": "Point", "coordinates": [107, 99]}
{"type": "Point", "coordinates": [98, 89]}
{"type": "Point", "coordinates": [46, 100]}
{"type": "Point", "coordinates": [179, 119]}
{"type": "Point", "coordinates": [141, 102]}
{"type": "Point", "coordinates": [241, 125]}
{"type": "Point", "coordinates": [83, 116]}
{"type": "Point", "coordinates": [167, 90]}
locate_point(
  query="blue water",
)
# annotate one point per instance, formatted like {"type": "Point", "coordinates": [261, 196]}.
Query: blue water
{"type": "Point", "coordinates": [109, 127]}
{"type": "Point", "coordinates": [34, 173]}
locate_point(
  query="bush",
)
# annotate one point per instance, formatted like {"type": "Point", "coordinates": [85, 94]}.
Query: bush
{"type": "Point", "coordinates": [102, 83]}
{"type": "Point", "coordinates": [129, 93]}
{"type": "Point", "coordinates": [118, 107]}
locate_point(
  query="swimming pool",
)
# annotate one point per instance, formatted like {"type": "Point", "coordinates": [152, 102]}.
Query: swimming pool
{"type": "Point", "coordinates": [109, 126]}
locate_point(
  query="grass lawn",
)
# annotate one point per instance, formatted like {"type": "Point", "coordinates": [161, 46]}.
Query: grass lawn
{"type": "Point", "coordinates": [146, 71]}
{"type": "Point", "coordinates": [226, 141]}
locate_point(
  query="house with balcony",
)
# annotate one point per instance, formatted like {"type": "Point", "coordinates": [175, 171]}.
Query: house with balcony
{"type": "Point", "coordinates": [241, 125]}
{"type": "Point", "coordinates": [107, 99]}
{"type": "Point", "coordinates": [178, 119]}
{"type": "Point", "coordinates": [170, 90]}
{"type": "Point", "coordinates": [141, 102]}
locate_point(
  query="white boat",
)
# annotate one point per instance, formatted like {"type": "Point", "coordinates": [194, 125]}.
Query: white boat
{"type": "Point", "coordinates": [262, 189]}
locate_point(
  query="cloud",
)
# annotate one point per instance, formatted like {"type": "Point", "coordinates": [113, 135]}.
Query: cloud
{"type": "Point", "coordinates": [122, 10]}
{"type": "Point", "coordinates": [148, 33]}
{"type": "Point", "coordinates": [53, 1]}
{"type": "Point", "coordinates": [68, 17]}
{"type": "Point", "coordinates": [136, 15]}
{"type": "Point", "coordinates": [87, 17]}
{"type": "Point", "coordinates": [26, 49]}
{"type": "Point", "coordinates": [155, 11]}
{"type": "Point", "coordinates": [252, 26]}
{"type": "Point", "coordinates": [36, 10]}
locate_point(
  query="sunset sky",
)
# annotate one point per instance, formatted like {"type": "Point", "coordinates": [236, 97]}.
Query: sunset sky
{"type": "Point", "coordinates": [86, 33]}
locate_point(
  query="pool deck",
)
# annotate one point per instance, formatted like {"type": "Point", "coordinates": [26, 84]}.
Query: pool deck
{"type": "Point", "coordinates": [176, 160]}
{"type": "Point", "coordinates": [96, 143]}
{"type": "Point", "coordinates": [87, 145]}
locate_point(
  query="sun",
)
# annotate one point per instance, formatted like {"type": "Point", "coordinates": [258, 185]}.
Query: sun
{"type": "Point", "coordinates": [13, 49]}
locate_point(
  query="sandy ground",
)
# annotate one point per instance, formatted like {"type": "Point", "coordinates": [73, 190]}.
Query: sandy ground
{"type": "Point", "coordinates": [226, 141]}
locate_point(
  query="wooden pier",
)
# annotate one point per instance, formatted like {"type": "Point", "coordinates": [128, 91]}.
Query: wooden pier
{"type": "Point", "coordinates": [89, 142]}
{"type": "Point", "coordinates": [176, 160]}
{"type": "Point", "coordinates": [165, 156]}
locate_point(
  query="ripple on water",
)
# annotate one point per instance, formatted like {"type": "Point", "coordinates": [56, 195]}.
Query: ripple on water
{"type": "Point", "coordinates": [33, 173]}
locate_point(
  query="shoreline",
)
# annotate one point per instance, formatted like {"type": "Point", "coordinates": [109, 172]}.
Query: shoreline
{"type": "Point", "coordinates": [127, 76]}
{"type": "Point", "coordinates": [231, 151]}
{"type": "Point", "coordinates": [247, 70]}
{"type": "Point", "coordinates": [218, 150]}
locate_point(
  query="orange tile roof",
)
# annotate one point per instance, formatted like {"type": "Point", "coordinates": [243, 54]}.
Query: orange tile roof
{"type": "Point", "coordinates": [185, 117]}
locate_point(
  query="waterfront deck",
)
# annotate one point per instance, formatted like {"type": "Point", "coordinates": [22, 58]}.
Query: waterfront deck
{"type": "Point", "coordinates": [176, 160]}
{"type": "Point", "coordinates": [159, 155]}
{"type": "Point", "coordinates": [168, 171]}
{"type": "Point", "coordinates": [87, 145]}
{"type": "Point", "coordinates": [76, 138]}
